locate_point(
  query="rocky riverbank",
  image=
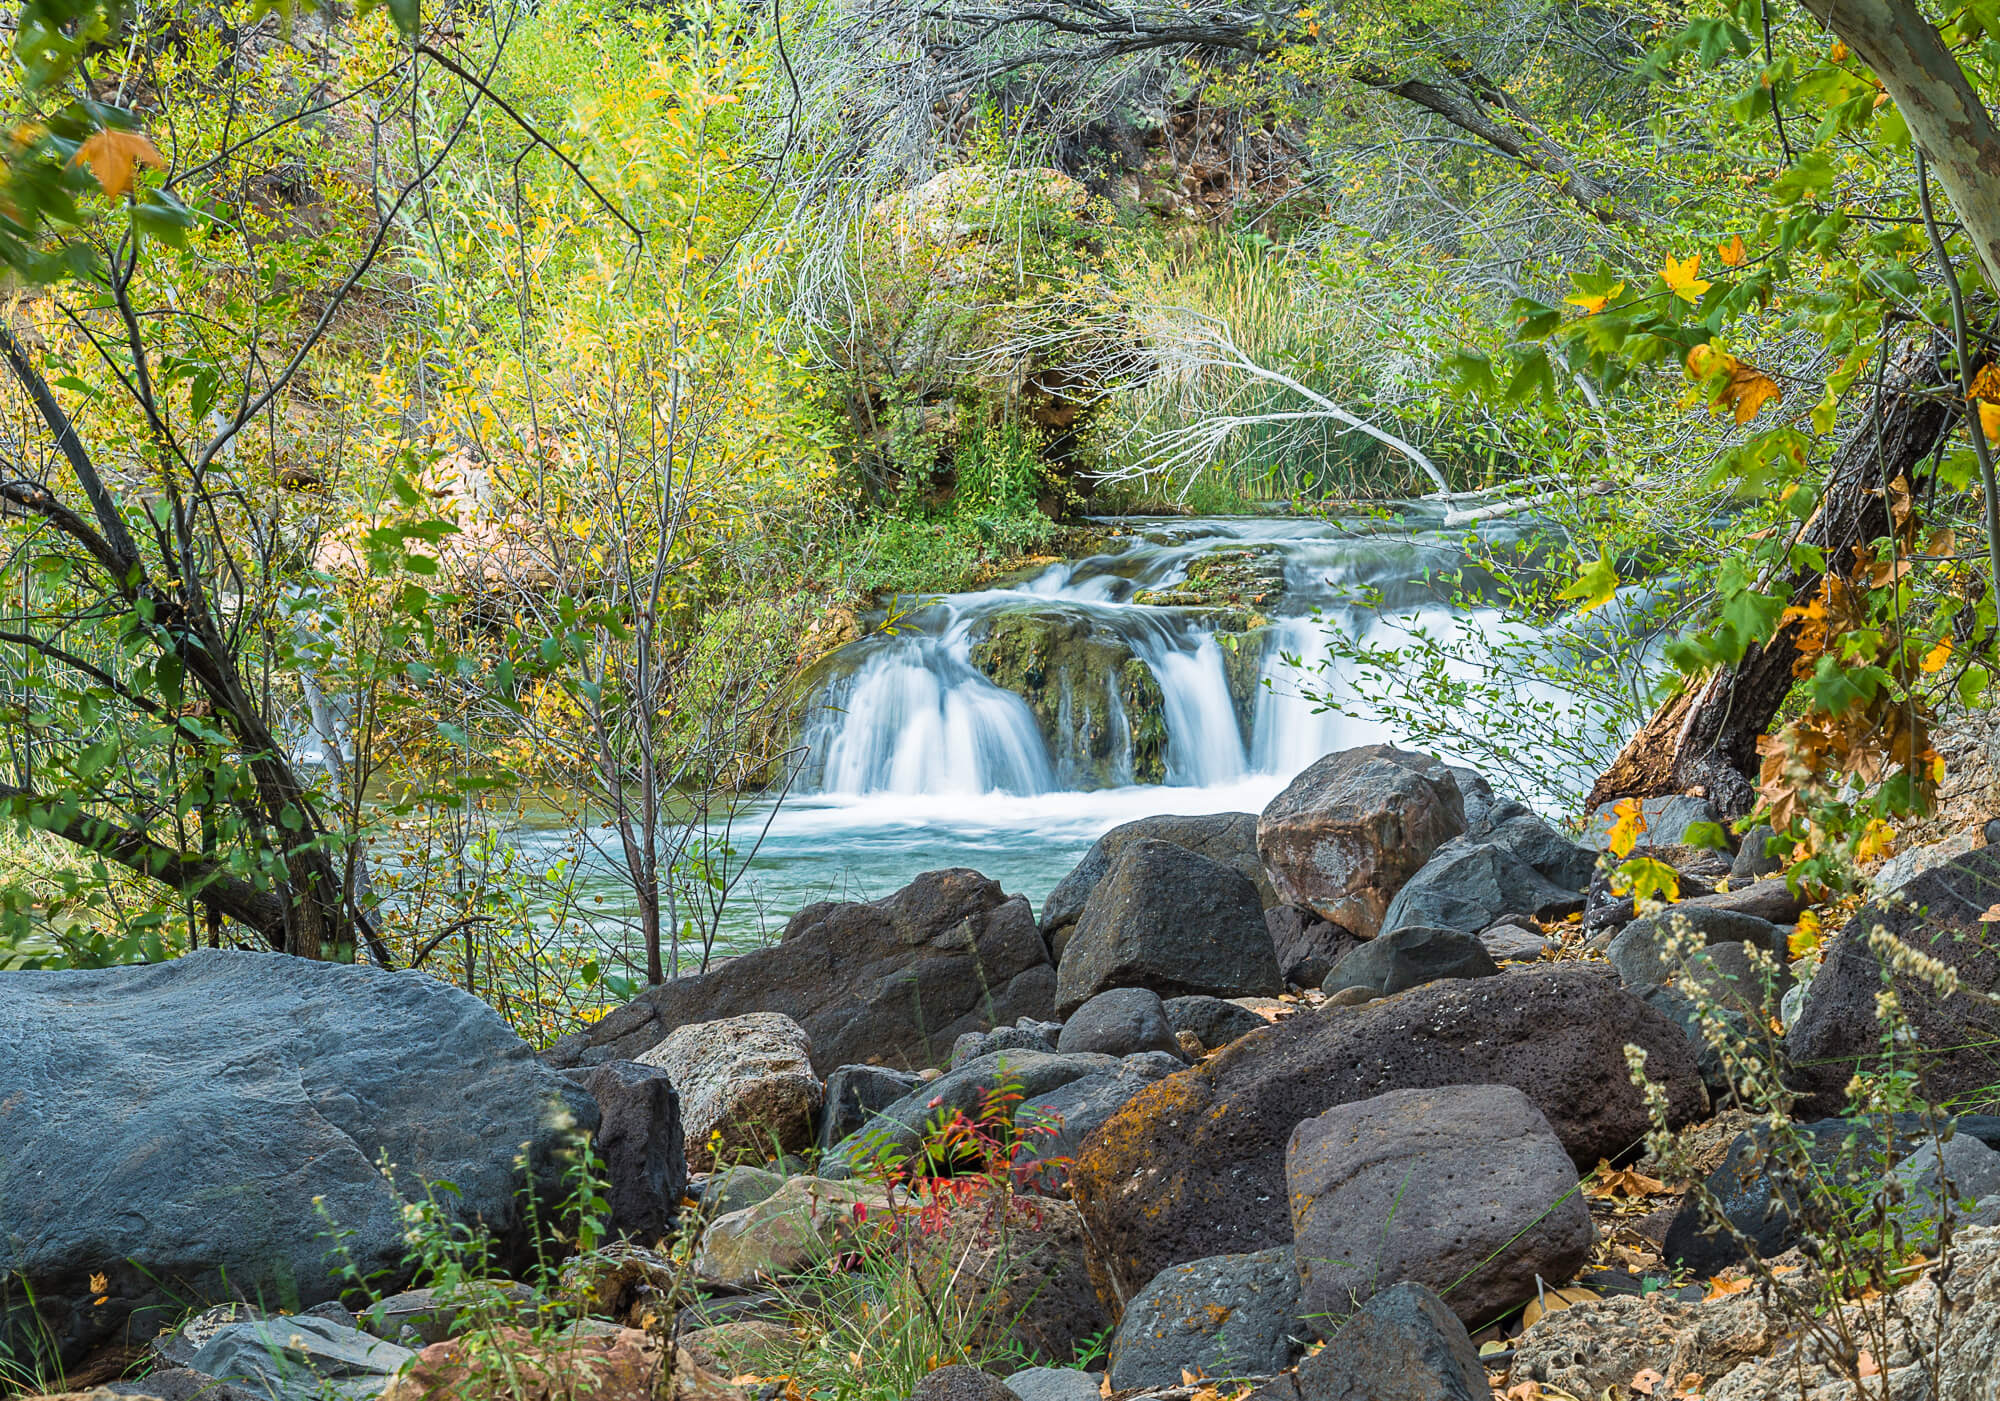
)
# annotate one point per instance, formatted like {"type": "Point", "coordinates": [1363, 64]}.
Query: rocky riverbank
{"type": "Point", "coordinates": [1333, 1101]}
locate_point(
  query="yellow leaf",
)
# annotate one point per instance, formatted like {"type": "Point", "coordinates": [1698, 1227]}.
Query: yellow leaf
{"type": "Point", "coordinates": [1989, 419]}
{"type": "Point", "coordinates": [1935, 659]}
{"type": "Point", "coordinates": [1733, 253]}
{"type": "Point", "coordinates": [1683, 278]}
{"type": "Point", "coordinates": [111, 156]}
{"type": "Point", "coordinates": [1805, 934]}
{"type": "Point", "coordinates": [1625, 831]}
{"type": "Point", "coordinates": [1594, 302]}
{"type": "Point", "coordinates": [1609, 1181]}
{"type": "Point", "coordinates": [1554, 1301]}
{"type": "Point", "coordinates": [1838, 53]}
{"type": "Point", "coordinates": [1876, 839]}
{"type": "Point", "coordinates": [1992, 915]}
{"type": "Point", "coordinates": [100, 1284]}
{"type": "Point", "coordinates": [1740, 387]}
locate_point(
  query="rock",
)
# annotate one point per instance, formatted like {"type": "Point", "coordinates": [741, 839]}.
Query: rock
{"type": "Point", "coordinates": [1053, 1384]}
{"type": "Point", "coordinates": [167, 1384]}
{"type": "Point", "coordinates": [1409, 957]}
{"type": "Point", "coordinates": [1639, 950]}
{"type": "Point", "coordinates": [1664, 821]}
{"type": "Point", "coordinates": [1604, 1343]}
{"type": "Point", "coordinates": [746, 1084]}
{"type": "Point", "coordinates": [961, 1384]}
{"type": "Point", "coordinates": [285, 1079]}
{"type": "Point", "coordinates": [1730, 975]}
{"type": "Point", "coordinates": [1905, 866]}
{"type": "Point", "coordinates": [416, 1318]}
{"type": "Point", "coordinates": [1120, 1022]}
{"type": "Point", "coordinates": [1227, 838]}
{"type": "Point", "coordinates": [1752, 859]}
{"type": "Point", "coordinates": [1483, 807]}
{"type": "Point", "coordinates": [176, 1347]}
{"type": "Point", "coordinates": [1013, 1265]}
{"type": "Point", "coordinates": [796, 1226]}
{"type": "Point", "coordinates": [1952, 1179]}
{"type": "Point", "coordinates": [1099, 707]}
{"type": "Point", "coordinates": [1554, 857]}
{"type": "Point", "coordinates": [1215, 1021]}
{"type": "Point", "coordinates": [1054, 1124]}
{"type": "Point", "coordinates": [622, 1282]}
{"type": "Point", "coordinates": [1837, 1032]}
{"type": "Point", "coordinates": [1507, 943]}
{"type": "Point", "coordinates": [735, 1188]}
{"type": "Point", "coordinates": [1769, 899]}
{"type": "Point", "coordinates": [1465, 1189]}
{"type": "Point", "coordinates": [1680, 1009]}
{"type": "Point", "coordinates": [1347, 833]}
{"type": "Point", "coordinates": [1171, 920]}
{"type": "Point", "coordinates": [641, 1141]}
{"type": "Point", "coordinates": [900, 1128]}
{"type": "Point", "coordinates": [741, 1345]}
{"type": "Point", "coordinates": [624, 1364]}
{"type": "Point", "coordinates": [1192, 1166]}
{"type": "Point", "coordinates": [1226, 1316]}
{"type": "Point", "coordinates": [1468, 887]}
{"type": "Point", "coordinates": [1307, 946]}
{"type": "Point", "coordinates": [975, 1044]}
{"type": "Point", "coordinates": [895, 980]}
{"type": "Point", "coordinates": [300, 1358]}
{"type": "Point", "coordinates": [1403, 1345]}
{"type": "Point", "coordinates": [855, 1094]}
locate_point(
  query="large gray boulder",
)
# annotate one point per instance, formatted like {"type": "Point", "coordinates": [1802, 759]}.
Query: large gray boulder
{"type": "Point", "coordinates": [1227, 1316]}
{"type": "Point", "coordinates": [1349, 831]}
{"type": "Point", "coordinates": [1470, 886]}
{"type": "Point", "coordinates": [747, 1088]}
{"type": "Point", "coordinates": [1410, 957]}
{"type": "Point", "coordinates": [1171, 920]}
{"type": "Point", "coordinates": [1639, 951]}
{"type": "Point", "coordinates": [178, 1127]}
{"type": "Point", "coordinates": [1194, 1166]}
{"type": "Point", "coordinates": [1526, 837]}
{"type": "Point", "coordinates": [1940, 914]}
{"type": "Point", "coordinates": [1463, 1188]}
{"type": "Point", "coordinates": [301, 1358]}
{"type": "Point", "coordinates": [895, 980]}
{"type": "Point", "coordinates": [1120, 1022]}
{"type": "Point", "coordinates": [1227, 838]}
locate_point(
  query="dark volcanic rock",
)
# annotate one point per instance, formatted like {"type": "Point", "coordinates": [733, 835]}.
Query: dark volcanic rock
{"type": "Point", "coordinates": [960, 1383]}
{"type": "Point", "coordinates": [896, 980]}
{"type": "Point", "coordinates": [1639, 950]}
{"type": "Point", "coordinates": [1215, 1021]}
{"type": "Point", "coordinates": [1464, 1188]}
{"type": "Point", "coordinates": [1468, 887]}
{"type": "Point", "coordinates": [1233, 1315]}
{"type": "Point", "coordinates": [1227, 838]}
{"type": "Point", "coordinates": [1171, 920]}
{"type": "Point", "coordinates": [639, 1138]}
{"type": "Point", "coordinates": [1410, 957]}
{"type": "Point", "coordinates": [1404, 1345]}
{"type": "Point", "coordinates": [1307, 946]}
{"type": "Point", "coordinates": [857, 1093]}
{"type": "Point", "coordinates": [1120, 1022]}
{"type": "Point", "coordinates": [1054, 1123]}
{"type": "Point", "coordinates": [1349, 831]}
{"type": "Point", "coordinates": [1194, 1166]}
{"type": "Point", "coordinates": [1938, 914]}
{"type": "Point", "coordinates": [276, 1082]}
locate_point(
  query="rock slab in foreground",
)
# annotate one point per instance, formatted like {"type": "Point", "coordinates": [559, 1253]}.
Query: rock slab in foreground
{"type": "Point", "coordinates": [1404, 1345]}
{"type": "Point", "coordinates": [1171, 920]}
{"type": "Point", "coordinates": [1351, 829]}
{"type": "Point", "coordinates": [1194, 1166]}
{"type": "Point", "coordinates": [895, 980]}
{"type": "Point", "coordinates": [1464, 1188]}
{"type": "Point", "coordinates": [169, 1124]}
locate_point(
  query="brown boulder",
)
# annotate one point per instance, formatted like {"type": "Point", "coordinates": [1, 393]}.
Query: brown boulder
{"type": "Point", "coordinates": [578, 1365]}
{"type": "Point", "coordinates": [1195, 1165]}
{"type": "Point", "coordinates": [1348, 832]}
{"type": "Point", "coordinates": [892, 981]}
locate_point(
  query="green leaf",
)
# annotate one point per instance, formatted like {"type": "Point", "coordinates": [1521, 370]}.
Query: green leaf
{"type": "Point", "coordinates": [1972, 685]}
{"type": "Point", "coordinates": [1595, 586]}
{"type": "Point", "coordinates": [1708, 836]}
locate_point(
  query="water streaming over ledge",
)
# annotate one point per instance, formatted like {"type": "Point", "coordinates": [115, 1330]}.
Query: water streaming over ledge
{"type": "Point", "coordinates": [917, 759]}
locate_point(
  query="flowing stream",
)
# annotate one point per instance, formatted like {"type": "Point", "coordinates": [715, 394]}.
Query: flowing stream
{"type": "Point", "coordinates": [1007, 729]}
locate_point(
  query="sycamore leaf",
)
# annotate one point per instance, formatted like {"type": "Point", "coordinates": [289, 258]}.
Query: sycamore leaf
{"type": "Point", "coordinates": [1555, 1300]}
{"type": "Point", "coordinates": [1595, 302]}
{"type": "Point", "coordinates": [1595, 586]}
{"type": "Point", "coordinates": [1876, 839]}
{"type": "Point", "coordinates": [1609, 1181]}
{"type": "Point", "coordinates": [1646, 879]}
{"type": "Point", "coordinates": [1805, 935]}
{"type": "Point", "coordinates": [111, 155]}
{"type": "Point", "coordinates": [1992, 915]}
{"type": "Point", "coordinates": [1989, 419]}
{"type": "Point", "coordinates": [1624, 834]}
{"type": "Point", "coordinates": [1733, 253]}
{"type": "Point", "coordinates": [1738, 386]}
{"type": "Point", "coordinates": [1683, 278]}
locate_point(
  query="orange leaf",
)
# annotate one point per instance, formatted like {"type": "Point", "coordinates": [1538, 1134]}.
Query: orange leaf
{"type": "Point", "coordinates": [1644, 1380]}
{"type": "Point", "coordinates": [1723, 1288]}
{"type": "Point", "coordinates": [111, 156]}
{"type": "Point", "coordinates": [1866, 1366]}
{"type": "Point", "coordinates": [1733, 253]}
{"type": "Point", "coordinates": [1738, 385]}
{"type": "Point", "coordinates": [1937, 657]}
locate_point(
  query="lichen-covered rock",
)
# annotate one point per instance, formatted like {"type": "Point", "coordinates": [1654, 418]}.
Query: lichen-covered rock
{"type": "Point", "coordinates": [1602, 1343]}
{"type": "Point", "coordinates": [747, 1088]}
{"type": "Point", "coordinates": [1016, 1264]}
{"type": "Point", "coordinates": [796, 1226]}
{"type": "Point", "coordinates": [1098, 706]}
{"type": "Point", "coordinates": [1347, 833]}
{"type": "Point", "coordinates": [1193, 1166]}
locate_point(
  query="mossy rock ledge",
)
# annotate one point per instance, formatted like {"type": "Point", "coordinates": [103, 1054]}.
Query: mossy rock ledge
{"type": "Point", "coordinates": [1097, 705]}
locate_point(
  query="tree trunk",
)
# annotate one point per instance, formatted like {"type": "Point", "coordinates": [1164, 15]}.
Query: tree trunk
{"type": "Point", "coordinates": [1703, 741]}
